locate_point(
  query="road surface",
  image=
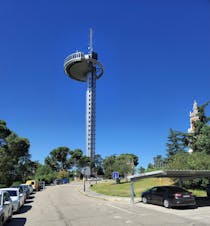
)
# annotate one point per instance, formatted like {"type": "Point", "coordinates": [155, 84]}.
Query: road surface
{"type": "Point", "coordinates": [65, 205]}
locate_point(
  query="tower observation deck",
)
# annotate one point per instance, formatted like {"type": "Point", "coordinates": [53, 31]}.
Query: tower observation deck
{"type": "Point", "coordinates": [86, 68]}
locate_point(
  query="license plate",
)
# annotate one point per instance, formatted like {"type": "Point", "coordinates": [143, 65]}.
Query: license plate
{"type": "Point", "coordinates": [186, 196]}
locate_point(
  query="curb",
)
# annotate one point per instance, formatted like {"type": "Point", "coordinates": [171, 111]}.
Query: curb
{"type": "Point", "coordinates": [106, 197]}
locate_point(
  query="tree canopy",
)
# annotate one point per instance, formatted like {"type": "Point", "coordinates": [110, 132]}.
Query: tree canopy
{"type": "Point", "coordinates": [124, 164]}
{"type": "Point", "coordinates": [15, 160]}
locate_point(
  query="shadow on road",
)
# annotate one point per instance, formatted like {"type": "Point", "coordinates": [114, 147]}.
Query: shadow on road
{"type": "Point", "coordinates": [28, 201]}
{"type": "Point", "coordinates": [202, 201]}
{"type": "Point", "coordinates": [25, 209]}
{"type": "Point", "coordinates": [16, 221]}
{"type": "Point", "coordinates": [31, 197]}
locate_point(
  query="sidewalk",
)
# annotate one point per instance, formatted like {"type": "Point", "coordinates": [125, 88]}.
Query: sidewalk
{"type": "Point", "coordinates": [88, 192]}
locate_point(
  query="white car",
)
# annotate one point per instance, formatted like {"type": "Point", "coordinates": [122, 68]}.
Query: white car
{"type": "Point", "coordinates": [16, 197]}
{"type": "Point", "coordinates": [5, 207]}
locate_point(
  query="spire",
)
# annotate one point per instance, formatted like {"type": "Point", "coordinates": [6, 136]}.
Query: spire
{"type": "Point", "coordinates": [195, 106]}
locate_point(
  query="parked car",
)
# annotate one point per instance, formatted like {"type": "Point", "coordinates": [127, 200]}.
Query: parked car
{"type": "Point", "coordinates": [34, 183]}
{"type": "Point", "coordinates": [5, 207]}
{"type": "Point", "coordinates": [168, 196]}
{"type": "Point", "coordinates": [21, 190]}
{"type": "Point", "coordinates": [16, 197]}
{"type": "Point", "coordinates": [26, 189]}
{"type": "Point", "coordinates": [41, 185]}
{"type": "Point", "coordinates": [30, 188]}
{"type": "Point", "coordinates": [57, 181]}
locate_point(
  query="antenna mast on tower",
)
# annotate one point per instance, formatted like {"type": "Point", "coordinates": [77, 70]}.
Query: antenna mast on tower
{"type": "Point", "coordinates": [91, 41]}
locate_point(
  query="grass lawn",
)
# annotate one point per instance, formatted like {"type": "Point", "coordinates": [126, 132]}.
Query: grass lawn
{"type": "Point", "coordinates": [123, 189]}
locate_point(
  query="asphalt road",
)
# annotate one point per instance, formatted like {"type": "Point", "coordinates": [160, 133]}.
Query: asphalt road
{"type": "Point", "coordinates": [64, 205]}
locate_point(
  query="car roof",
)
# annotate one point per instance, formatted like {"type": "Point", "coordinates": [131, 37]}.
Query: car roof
{"type": "Point", "coordinates": [170, 187]}
{"type": "Point", "coordinates": [166, 186]}
{"type": "Point", "coordinates": [9, 189]}
{"type": "Point", "coordinates": [3, 191]}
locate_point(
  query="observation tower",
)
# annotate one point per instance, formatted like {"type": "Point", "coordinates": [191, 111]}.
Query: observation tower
{"type": "Point", "coordinates": [86, 68]}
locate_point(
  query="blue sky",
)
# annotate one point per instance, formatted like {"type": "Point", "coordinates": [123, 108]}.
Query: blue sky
{"type": "Point", "coordinates": [156, 56]}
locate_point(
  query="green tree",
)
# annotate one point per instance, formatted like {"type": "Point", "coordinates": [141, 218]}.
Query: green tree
{"type": "Point", "coordinates": [62, 174]}
{"type": "Point", "coordinates": [200, 140]}
{"type": "Point", "coordinates": [176, 143]}
{"type": "Point", "coordinates": [124, 164]}
{"type": "Point", "coordinates": [14, 158]}
{"type": "Point", "coordinates": [77, 159]}
{"type": "Point", "coordinates": [159, 161]}
{"type": "Point", "coordinates": [134, 158]}
{"type": "Point", "coordinates": [186, 161]}
{"type": "Point", "coordinates": [58, 159]}
{"type": "Point", "coordinates": [98, 164]}
{"type": "Point", "coordinates": [194, 161]}
{"type": "Point", "coordinates": [45, 173]}
{"type": "Point", "coordinates": [141, 169]}
{"type": "Point", "coordinates": [150, 167]}
{"type": "Point", "coordinates": [4, 132]}
{"type": "Point", "coordinates": [109, 166]}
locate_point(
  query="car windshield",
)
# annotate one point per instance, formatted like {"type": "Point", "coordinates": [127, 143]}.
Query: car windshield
{"type": "Point", "coordinates": [12, 193]}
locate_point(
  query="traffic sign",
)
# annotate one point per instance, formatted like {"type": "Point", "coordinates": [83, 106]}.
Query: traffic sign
{"type": "Point", "coordinates": [86, 171]}
{"type": "Point", "coordinates": [115, 175]}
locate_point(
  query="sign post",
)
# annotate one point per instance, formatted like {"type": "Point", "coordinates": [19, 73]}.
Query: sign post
{"type": "Point", "coordinates": [115, 176]}
{"type": "Point", "coordinates": [86, 173]}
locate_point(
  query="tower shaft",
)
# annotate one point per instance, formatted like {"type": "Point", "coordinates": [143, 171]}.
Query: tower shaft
{"type": "Point", "coordinates": [91, 113]}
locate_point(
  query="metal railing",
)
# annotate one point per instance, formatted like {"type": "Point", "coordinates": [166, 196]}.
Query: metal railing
{"type": "Point", "coordinates": [77, 55]}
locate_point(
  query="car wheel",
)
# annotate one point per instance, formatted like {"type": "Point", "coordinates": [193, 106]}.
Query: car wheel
{"type": "Point", "coordinates": [166, 203]}
{"type": "Point", "coordinates": [144, 200]}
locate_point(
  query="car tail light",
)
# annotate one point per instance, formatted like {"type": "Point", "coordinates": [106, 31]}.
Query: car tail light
{"type": "Point", "coordinates": [177, 195]}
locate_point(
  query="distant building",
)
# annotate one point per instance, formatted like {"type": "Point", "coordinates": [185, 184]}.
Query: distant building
{"type": "Point", "coordinates": [194, 116]}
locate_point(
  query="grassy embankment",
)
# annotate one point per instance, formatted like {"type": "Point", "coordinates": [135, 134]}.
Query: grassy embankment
{"type": "Point", "coordinates": [123, 189]}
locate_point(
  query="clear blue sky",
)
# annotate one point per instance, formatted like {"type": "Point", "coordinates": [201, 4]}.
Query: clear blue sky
{"type": "Point", "coordinates": [156, 56]}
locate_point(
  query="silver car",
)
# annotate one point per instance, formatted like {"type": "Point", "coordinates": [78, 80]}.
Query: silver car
{"type": "Point", "coordinates": [5, 207]}
{"type": "Point", "coordinates": [16, 197]}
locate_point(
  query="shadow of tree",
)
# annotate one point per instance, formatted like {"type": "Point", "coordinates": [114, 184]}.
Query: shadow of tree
{"type": "Point", "coordinates": [16, 221]}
